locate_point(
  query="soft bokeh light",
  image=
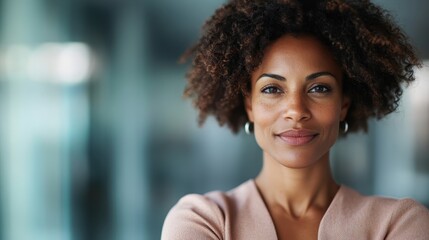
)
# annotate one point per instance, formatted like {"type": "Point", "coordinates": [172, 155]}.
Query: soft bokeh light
{"type": "Point", "coordinates": [63, 63]}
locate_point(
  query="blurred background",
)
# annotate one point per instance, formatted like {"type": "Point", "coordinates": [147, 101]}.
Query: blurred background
{"type": "Point", "coordinates": [96, 141]}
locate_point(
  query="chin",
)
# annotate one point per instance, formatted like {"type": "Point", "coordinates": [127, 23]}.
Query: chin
{"type": "Point", "coordinates": [299, 160]}
{"type": "Point", "coordinates": [297, 164]}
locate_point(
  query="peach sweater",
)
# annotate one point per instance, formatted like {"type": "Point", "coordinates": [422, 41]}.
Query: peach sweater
{"type": "Point", "coordinates": [242, 214]}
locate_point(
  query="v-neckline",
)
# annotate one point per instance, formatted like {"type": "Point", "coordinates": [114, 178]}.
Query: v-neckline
{"type": "Point", "coordinates": [322, 221]}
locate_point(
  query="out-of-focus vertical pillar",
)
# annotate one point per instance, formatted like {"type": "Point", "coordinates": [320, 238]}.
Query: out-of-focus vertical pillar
{"type": "Point", "coordinates": [38, 130]}
{"type": "Point", "coordinates": [131, 119]}
{"type": "Point", "coordinates": [21, 21]}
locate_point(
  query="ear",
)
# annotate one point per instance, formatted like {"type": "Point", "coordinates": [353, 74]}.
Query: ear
{"type": "Point", "coordinates": [345, 105]}
{"type": "Point", "coordinates": [248, 106]}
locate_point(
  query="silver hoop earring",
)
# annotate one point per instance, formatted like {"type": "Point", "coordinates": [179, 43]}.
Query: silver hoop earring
{"type": "Point", "coordinates": [248, 128]}
{"type": "Point", "coordinates": [346, 127]}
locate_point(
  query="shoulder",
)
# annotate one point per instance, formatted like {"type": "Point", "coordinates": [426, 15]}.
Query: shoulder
{"type": "Point", "coordinates": [194, 217]}
{"type": "Point", "coordinates": [391, 207]}
{"type": "Point", "coordinates": [205, 216]}
{"type": "Point", "coordinates": [409, 220]}
{"type": "Point", "coordinates": [382, 217]}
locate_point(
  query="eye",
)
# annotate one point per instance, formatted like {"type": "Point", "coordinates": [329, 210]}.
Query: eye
{"type": "Point", "coordinates": [271, 90]}
{"type": "Point", "coordinates": [320, 89]}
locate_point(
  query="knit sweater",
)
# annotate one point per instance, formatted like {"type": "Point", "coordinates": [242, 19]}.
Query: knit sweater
{"type": "Point", "coordinates": [242, 214]}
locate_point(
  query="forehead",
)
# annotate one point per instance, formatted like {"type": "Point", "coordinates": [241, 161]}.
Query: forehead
{"type": "Point", "coordinates": [304, 53]}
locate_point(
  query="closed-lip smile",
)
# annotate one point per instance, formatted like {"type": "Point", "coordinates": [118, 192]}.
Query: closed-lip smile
{"type": "Point", "coordinates": [297, 137]}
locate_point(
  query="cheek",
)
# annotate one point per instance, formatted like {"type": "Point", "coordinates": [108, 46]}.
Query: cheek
{"type": "Point", "coordinates": [264, 113]}
{"type": "Point", "coordinates": [330, 114]}
{"type": "Point", "coordinates": [329, 117]}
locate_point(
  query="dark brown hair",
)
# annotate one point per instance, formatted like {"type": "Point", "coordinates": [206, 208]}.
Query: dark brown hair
{"type": "Point", "coordinates": [374, 53]}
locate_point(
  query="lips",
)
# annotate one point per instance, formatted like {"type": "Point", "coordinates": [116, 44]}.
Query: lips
{"type": "Point", "coordinates": [297, 137]}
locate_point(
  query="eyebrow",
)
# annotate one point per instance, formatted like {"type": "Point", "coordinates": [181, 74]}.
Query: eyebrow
{"type": "Point", "coordinates": [309, 77]}
{"type": "Point", "coordinates": [319, 74]}
{"type": "Point", "coordinates": [271, 75]}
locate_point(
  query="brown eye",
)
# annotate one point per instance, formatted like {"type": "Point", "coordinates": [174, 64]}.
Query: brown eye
{"type": "Point", "coordinates": [320, 89]}
{"type": "Point", "coordinates": [271, 90]}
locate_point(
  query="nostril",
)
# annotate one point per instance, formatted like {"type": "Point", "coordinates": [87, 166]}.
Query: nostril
{"type": "Point", "coordinates": [297, 111]}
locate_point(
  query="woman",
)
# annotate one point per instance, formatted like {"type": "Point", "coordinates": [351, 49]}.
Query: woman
{"type": "Point", "coordinates": [298, 74]}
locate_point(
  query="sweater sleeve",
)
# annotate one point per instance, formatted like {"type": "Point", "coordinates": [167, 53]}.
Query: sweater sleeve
{"type": "Point", "coordinates": [194, 217]}
{"type": "Point", "coordinates": [410, 220]}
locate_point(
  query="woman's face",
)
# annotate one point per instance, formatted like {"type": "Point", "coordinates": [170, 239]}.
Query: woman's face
{"type": "Point", "coordinates": [296, 102]}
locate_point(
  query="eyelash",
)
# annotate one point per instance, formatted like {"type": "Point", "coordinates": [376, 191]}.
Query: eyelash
{"type": "Point", "coordinates": [268, 89]}
{"type": "Point", "coordinates": [315, 89]}
{"type": "Point", "coordinates": [326, 89]}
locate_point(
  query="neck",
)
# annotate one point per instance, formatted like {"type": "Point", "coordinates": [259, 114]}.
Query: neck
{"type": "Point", "coordinates": [297, 191]}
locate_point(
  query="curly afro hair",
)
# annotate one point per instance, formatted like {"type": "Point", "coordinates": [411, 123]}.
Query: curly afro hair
{"type": "Point", "coordinates": [373, 51]}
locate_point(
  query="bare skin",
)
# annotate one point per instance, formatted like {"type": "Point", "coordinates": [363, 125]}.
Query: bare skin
{"type": "Point", "coordinates": [296, 105]}
{"type": "Point", "coordinates": [296, 199]}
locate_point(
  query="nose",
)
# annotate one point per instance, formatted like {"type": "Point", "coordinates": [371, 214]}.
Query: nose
{"type": "Point", "coordinates": [296, 107]}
